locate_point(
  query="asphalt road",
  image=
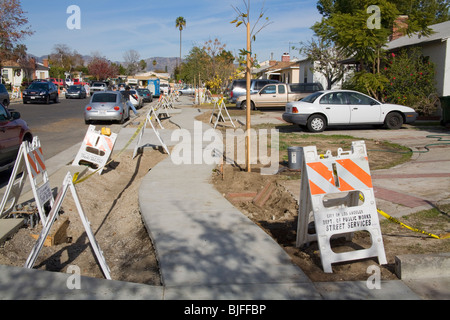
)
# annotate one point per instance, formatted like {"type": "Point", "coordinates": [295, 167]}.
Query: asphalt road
{"type": "Point", "coordinates": [58, 125]}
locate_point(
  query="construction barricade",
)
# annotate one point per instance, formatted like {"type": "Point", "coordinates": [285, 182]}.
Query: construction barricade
{"type": "Point", "coordinates": [67, 185]}
{"type": "Point", "coordinates": [31, 159]}
{"type": "Point", "coordinates": [330, 195]}
{"type": "Point", "coordinates": [95, 149]}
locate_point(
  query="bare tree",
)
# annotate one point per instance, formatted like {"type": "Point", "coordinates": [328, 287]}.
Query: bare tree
{"type": "Point", "coordinates": [13, 27]}
{"type": "Point", "coordinates": [325, 58]}
{"type": "Point", "coordinates": [132, 59]}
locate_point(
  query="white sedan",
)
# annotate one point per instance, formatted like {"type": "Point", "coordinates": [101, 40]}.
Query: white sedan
{"type": "Point", "coordinates": [345, 107]}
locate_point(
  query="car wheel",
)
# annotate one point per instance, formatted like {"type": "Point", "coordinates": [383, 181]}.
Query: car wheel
{"type": "Point", "coordinates": [316, 123]}
{"type": "Point", "coordinates": [244, 105]}
{"type": "Point", "coordinates": [47, 99]}
{"type": "Point", "coordinates": [394, 120]}
{"type": "Point", "coordinates": [56, 100]}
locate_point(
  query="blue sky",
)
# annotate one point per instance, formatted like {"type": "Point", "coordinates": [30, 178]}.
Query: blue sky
{"type": "Point", "coordinates": [112, 27]}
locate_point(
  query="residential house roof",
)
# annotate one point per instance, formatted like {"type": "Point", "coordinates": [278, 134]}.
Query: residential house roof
{"type": "Point", "coordinates": [441, 33]}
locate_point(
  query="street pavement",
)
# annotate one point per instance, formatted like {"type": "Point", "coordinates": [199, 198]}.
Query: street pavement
{"type": "Point", "coordinates": [208, 250]}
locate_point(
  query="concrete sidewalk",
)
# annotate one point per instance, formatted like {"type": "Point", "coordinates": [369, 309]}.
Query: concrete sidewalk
{"type": "Point", "coordinates": [207, 249]}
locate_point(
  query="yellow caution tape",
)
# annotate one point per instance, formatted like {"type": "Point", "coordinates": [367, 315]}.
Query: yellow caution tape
{"type": "Point", "coordinates": [392, 219]}
{"type": "Point", "coordinates": [75, 181]}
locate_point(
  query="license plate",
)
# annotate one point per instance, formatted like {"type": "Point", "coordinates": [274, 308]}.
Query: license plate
{"type": "Point", "coordinates": [102, 112]}
{"type": "Point", "coordinates": [33, 97]}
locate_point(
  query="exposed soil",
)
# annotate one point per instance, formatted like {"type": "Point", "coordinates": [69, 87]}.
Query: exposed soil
{"type": "Point", "coordinates": [279, 215]}
{"type": "Point", "coordinates": [110, 202]}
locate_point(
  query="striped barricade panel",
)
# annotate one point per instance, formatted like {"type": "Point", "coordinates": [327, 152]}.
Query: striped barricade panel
{"type": "Point", "coordinates": [341, 178]}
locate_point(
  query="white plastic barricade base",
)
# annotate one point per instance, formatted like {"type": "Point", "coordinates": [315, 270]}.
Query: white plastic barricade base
{"type": "Point", "coordinates": [330, 193]}
{"type": "Point", "coordinates": [95, 149]}
{"type": "Point", "coordinates": [68, 184]}
{"type": "Point", "coordinates": [151, 114]}
{"type": "Point", "coordinates": [31, 158]}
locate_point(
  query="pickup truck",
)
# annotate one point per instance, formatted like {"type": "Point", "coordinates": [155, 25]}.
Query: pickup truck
{"type": "Point", "coordinates": [98, 86]}
{"type": "Point", "coordinates": [277, 95]}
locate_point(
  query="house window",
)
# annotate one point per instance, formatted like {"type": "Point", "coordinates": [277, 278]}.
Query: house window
{"type": "Point", "coordinates": [5, 74]}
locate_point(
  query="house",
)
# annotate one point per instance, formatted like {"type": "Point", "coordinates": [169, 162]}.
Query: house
{"type": "Point", "coordinates": [13, 73]}
{"type": "Point", "coordinates": [284, 71]}
{"type": "Point", "coordinates": [436, 47]}
{"type": "Point", "coordinates": [295, 71]}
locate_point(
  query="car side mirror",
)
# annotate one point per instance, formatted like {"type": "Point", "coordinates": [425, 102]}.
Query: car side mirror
{"type": "Point", "coordinates": [15, 115]}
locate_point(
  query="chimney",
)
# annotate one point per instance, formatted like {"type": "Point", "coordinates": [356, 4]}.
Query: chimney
{"type": "Point", "coordinates": [285, 57]}
{"type": "Point", "coordinates": [399, 27]}
{"type": "Point", "coordinates": [45, 62]}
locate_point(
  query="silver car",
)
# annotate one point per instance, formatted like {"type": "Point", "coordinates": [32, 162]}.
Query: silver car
{"type": "Point", "coordinates": [107, 106]}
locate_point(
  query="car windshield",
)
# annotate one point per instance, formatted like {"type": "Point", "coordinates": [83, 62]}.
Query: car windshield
{"type": "Point", "coordinates": [104, 97]}
{"type": "Point", "coordinates": [99, 84]}
{"type": "Point", "coordinates": [78, 87]}
{"type": "Point", "coordinates": [312, 97]}
{"type": "Point", "coordinates": [38, 86]}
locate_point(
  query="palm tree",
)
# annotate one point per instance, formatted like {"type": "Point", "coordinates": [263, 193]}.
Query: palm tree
{"type": "Point", "coordinates": [180, 23]}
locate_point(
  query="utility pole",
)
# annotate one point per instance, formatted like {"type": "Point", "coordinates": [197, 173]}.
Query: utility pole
{"type": "Point", "coordinates": [248, 74]}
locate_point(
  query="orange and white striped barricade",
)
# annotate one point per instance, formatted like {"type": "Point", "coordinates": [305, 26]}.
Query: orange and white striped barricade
{"type": "Point", "coordinates": [330, 193]}
{"type": "Point", "coordinates": [31, 158]}
{"type": "Point", "coordinates": [150, 115]}
{"type": "Point", "coordinates": [67, 185]}
{"type": "Point", "coordinates": [95, 149]}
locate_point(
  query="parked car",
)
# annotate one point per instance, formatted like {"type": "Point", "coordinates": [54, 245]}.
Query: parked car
{"type": "Point", "coordinates": [277, 95]}
{"type": "Point", "coordinates": [41, 91]}
{"type": "Point", "coordinates": [186, 90]}
{"type": "Point", "coordinates": [4, 95]}
{"type": "Point", "coordinates": [164, 88]}
{"type": "Point", "coordinates": [98, 86]}
{"type": "Point", "coordinates": [13, 131]}
{"type": "Point", "coordinates": [58, 82]}
{"type": "Point", "coordinates": [345, 107]}
{"type": "Point", "coordinates": [108, 106]}
{"type": "Point", "coordinates": [134, 98]}
{"type": "Point", "coordinates": [146, 95]}
{"type": "Point", "coordinates": [238, 88]}
{"type": "Point", "coordinates": [76, 91]}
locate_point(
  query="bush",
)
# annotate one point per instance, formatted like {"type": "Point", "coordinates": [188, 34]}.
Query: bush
{"type": "Point", "coordinates": [411, 81]}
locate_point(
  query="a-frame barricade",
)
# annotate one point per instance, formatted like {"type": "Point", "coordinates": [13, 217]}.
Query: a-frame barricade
{"type": "Point", "coordinates": [150, 115]}
{"type": "Point", "coordinates": [330, 194]}
{"type": "Point", "coordinates": [67, 185]}
{"type": "Point", "coordinates": [220, 106]}
{"type": "Point", "coordinates": [95, 149]}
{"type": "Point", "coordinates": [30, 158]}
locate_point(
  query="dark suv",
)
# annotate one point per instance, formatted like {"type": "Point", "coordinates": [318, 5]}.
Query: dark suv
{"type": "Point", "coordinates": [41, 91]}
{"type": "Point", "coordinates": [4, 95]}
{"type": "Point", "coordinates": [13, 131]}
{"type": "Point", "coordinates": [238, 88]}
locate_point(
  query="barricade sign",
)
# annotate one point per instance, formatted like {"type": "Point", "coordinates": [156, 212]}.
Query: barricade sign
{"type": "Point", "coordinates": [330, 192]}
{"type": "Point", "coordinates": [95, 149]}
{"type": "Point", "coordinates": [67, 184]}
{"type": "Point", "coordinates": [150, 115]}
{"type": "Point", "coordinates": [31, 158]}
{"type": "Point", "coordinates": [220, 106]}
